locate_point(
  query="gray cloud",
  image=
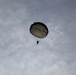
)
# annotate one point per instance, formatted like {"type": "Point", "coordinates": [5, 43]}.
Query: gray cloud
{"type": "Point", "coordinates": [55, 54]}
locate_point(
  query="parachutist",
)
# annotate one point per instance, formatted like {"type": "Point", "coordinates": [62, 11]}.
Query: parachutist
{"type": "Point", "coordinates": [37, 42]}
{"type": "Point", "coordinates": [38, 30]}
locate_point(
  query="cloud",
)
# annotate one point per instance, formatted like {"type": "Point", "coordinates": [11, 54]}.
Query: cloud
{"type": "Point", "coordinates": [19, 53]}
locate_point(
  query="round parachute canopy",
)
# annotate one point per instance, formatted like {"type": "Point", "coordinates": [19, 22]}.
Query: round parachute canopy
{"type": "Point", "coordinates": [39, 30]}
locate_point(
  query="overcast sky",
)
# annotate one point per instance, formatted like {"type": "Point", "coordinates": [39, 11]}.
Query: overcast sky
{"type": "Point", "coordinates": [19, 53]}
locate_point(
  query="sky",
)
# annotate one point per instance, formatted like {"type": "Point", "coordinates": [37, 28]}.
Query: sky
{"type": "Point", "coordinates": [19, 53]}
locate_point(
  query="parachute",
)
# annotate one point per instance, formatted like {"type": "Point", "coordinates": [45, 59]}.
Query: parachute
{"type": "Point", "coordinates": [39, 30]}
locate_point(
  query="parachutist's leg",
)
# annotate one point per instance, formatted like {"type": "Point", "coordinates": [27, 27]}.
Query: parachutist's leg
{"type": "Point", "coordinates": [37, 42]}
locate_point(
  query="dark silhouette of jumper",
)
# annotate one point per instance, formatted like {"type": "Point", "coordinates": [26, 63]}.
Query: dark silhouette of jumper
{"type": "Point", "coordinates": [37, 42]}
